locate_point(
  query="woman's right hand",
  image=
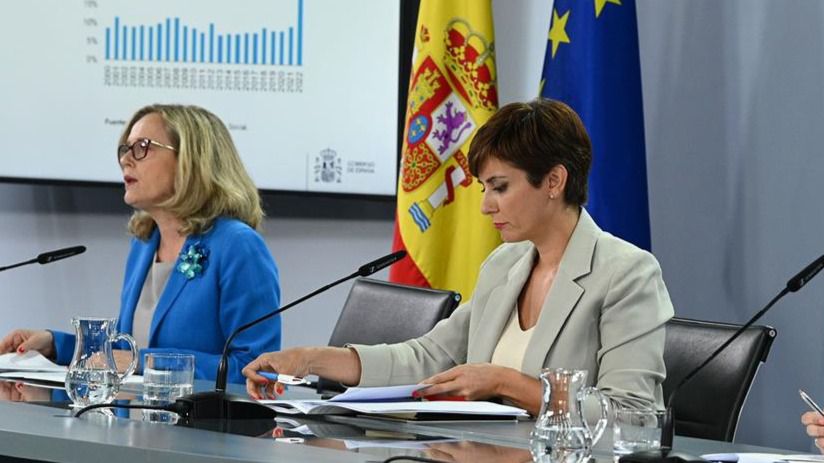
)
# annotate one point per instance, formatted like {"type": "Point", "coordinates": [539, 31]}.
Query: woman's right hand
{"type": "Point", "coordinates": [339, 364]}
{"type": "Point", "coordinates": [814, 424]}
{"type": "Point", "coordinates": [293, 362]}
{"type": "Point", "coordinates": [22, 340]}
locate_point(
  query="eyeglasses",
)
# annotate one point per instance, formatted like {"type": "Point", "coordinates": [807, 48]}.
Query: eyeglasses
{"type": "Point", "coordinates": [140, 148]}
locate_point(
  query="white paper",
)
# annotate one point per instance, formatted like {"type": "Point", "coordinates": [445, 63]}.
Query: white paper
{"type": "Point", "coordinates": [394, 444]}
{"type": "Point", "coordinates": [326, 407]}
{"type": "Point", "coordinates": [804, 457]}
{"type": "Point", "coordinates": [56, 376]}
{"type": "Point", "coordinates": [28, 361]}
{"type": "Point", "coordinates": [761, 457]}
{"type": "Point", "coordinates": [371, 394]}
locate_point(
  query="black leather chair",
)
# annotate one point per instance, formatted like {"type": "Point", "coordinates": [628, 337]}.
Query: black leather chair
{"type": "Point", "coordinates": [709, 405]}
{"type": "Point", "coordinates": [381, 312]}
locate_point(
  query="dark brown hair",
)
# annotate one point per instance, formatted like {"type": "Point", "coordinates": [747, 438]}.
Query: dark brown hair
{"type": "Point", "coordinates": [535, 137]}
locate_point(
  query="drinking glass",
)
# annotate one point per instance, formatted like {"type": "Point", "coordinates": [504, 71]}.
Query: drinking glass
{"type": "Point", "coordinates": [166, 377]}
{"type": "Point", "coordinates": [637, 429]}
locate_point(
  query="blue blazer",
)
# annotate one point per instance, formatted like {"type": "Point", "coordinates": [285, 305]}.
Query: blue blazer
{"type": "Point", "coordinates": [238, 283]}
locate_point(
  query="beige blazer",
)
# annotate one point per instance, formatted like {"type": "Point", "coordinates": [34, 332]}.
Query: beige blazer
{"type": "Point", "coordinates": [604, 313]}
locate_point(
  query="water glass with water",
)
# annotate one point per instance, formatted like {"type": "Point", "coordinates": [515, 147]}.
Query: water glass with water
{"type": "Point", "coordinates": [636, 430]}
{"type": "Point", "coordinates": [166, 377]}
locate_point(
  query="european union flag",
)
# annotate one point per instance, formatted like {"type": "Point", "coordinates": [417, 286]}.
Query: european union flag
{"type": "Point", "coordinates": [592, 64]}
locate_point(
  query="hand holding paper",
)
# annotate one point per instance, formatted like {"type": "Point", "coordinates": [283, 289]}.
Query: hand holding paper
{"type": "Point", "coordinates": [471, 381]}
{"type": "Point", "coordinates": [22, 341]}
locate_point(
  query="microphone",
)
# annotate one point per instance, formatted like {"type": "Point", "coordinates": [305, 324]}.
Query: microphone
{"type": "Point", "coordinates": [385, 261]}
{"type": "Point", "coordinates": [49, 257]}
{"type": "Point", "coordinates": [665, 453]}
{"type": "Point", "coordinates": [797, 282]}
{"type": "Point", "coordinates": [217, 405]}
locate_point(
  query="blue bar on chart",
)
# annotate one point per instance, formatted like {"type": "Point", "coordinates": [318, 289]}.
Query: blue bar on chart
{"type": "Point", "coordinates": [134, 40]}
{"type": "Point", "coordinates": [177, 38]}
{"type": "Point", "coordinates": [173, 39]}
{"type": "Point", "coordinates": [168, 36]}
{"type": "Point", "coordinates": [246, 48]}
{"type": "Point", "coordinates": [211, 43]}
{"type": "Point", "coordinates": [290, 46]}
{"type": "Point", "coordinates": [263, 46]}
{"type": "Point", "coordinates": [125, 44]}
{"type": "Point", "coordinates": [280, 40]}
{"type": "Point", "coordinates": [237, 48]}
{"type": "Point", "coordinates": [272, 48]}
{"type": "Point", "coordinates": [300, 32]}
{"type": "Point", "coordinates": [116, 38]}
{"type": "Point", "coordinates": [159, 41]}
{"type": "Point", "coordinates": [194, 45]}
{"type": "Point", "coordinates": [254, 48]}
{"type": "Point", "coordinates": [220, 49]}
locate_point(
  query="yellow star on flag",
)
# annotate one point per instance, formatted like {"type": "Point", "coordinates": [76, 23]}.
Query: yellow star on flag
{"type": "Point", "coordinates": [557, 33]}
{"type": "Point", "coordinates": [600, 4]}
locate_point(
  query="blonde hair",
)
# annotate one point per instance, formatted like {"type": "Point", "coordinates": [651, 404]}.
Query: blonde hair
{"type": "Point", "coordinates": [210, 180]}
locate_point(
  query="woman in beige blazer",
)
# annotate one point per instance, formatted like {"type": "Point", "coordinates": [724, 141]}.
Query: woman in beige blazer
{"type": "Point", "coordinates": [560, 292]}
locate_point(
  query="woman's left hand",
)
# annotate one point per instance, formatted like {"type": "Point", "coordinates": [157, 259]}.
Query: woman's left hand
{"type": "Point", "coordinates": [472, 381]}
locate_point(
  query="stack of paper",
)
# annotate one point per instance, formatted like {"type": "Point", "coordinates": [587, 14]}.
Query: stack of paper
{"type": "Point", "coordinates": [29, 361]}
{"type": "Point", "coordinates": [392, 400]}
{"type": "Point", "coordinates": [762, 458]}
{"type": "Point", "coordinates": [33, 366]}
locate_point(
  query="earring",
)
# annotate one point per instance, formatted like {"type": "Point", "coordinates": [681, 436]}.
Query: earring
{"type": "Point", "coordinates": [551, 196]}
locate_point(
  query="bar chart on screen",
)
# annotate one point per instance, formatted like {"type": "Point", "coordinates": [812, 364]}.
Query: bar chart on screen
{"type": "Point", "coordinates": [308, 88]}
{"type": "Point", "coordinates": [161, 51]}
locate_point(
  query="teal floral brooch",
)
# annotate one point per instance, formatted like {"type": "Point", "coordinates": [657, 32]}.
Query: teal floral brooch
{"type": "Point", "coordinates": [192, 261]}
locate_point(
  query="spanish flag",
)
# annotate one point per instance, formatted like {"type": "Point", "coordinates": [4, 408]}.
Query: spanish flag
{"type": "Point", "coordinates": [453, 91]}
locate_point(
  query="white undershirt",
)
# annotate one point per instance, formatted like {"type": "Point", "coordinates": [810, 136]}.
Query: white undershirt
{"type": "Point", "coordinates": [153, 286]}
{"type": "Point", "coordinates": [511, 346]}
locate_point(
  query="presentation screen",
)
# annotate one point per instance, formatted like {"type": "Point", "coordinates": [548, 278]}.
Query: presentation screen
{"type": "Point", "coordinates": [308, 88]}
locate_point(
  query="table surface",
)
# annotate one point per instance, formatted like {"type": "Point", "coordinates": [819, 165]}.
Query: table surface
{"type": "Point", "coordinates": [38, 432]}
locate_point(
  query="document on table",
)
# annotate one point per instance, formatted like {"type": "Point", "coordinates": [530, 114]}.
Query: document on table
{"type": "Point", "coordinates": [352, 444]}
{"type": "Point", "coordinates": [328, 407]}
{"type": "Point", "coordinates": [28, 361]}
{"type": "Point", "coordinates": [762, 458]}
{"type": "Point", "coordinates": [391, 400]}
{"type": "Point", "coordinates": [55, 376]}
{"type": "Point", "coordinates": [33, 366]}
{"type": "Point", "coordinates": [375, 394]}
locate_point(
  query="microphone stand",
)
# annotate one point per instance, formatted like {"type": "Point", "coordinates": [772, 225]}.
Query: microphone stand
{"type": "Point", "coordinates": [218, 408]}
{"type": "Point", "coordinates": [48, 257]}
{"type": "Point", "coordinates": [665, 454]}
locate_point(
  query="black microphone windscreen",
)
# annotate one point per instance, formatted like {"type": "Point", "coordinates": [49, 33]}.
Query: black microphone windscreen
{"type": "Point", "coordinates": [804, 276]}
{"type": "Point", "coordinates": [51, 256]}
{"type": "Point", "coordinates": [381, 263]}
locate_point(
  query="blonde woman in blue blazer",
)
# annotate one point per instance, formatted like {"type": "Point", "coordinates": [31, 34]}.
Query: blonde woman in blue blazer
{"type": "Point", "coordinates": [560, 292]}
{"type": "Point", "coordinates": [197, 269]}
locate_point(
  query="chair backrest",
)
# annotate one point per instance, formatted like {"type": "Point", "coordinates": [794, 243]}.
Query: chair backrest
{"type": "Point", "coordinates": [381, 312]}
{"type": "Point", "coordinates": [709, 405]}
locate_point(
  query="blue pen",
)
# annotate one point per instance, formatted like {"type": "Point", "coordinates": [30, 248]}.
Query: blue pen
{"type": "Point", "coordinates": [283, 379]}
